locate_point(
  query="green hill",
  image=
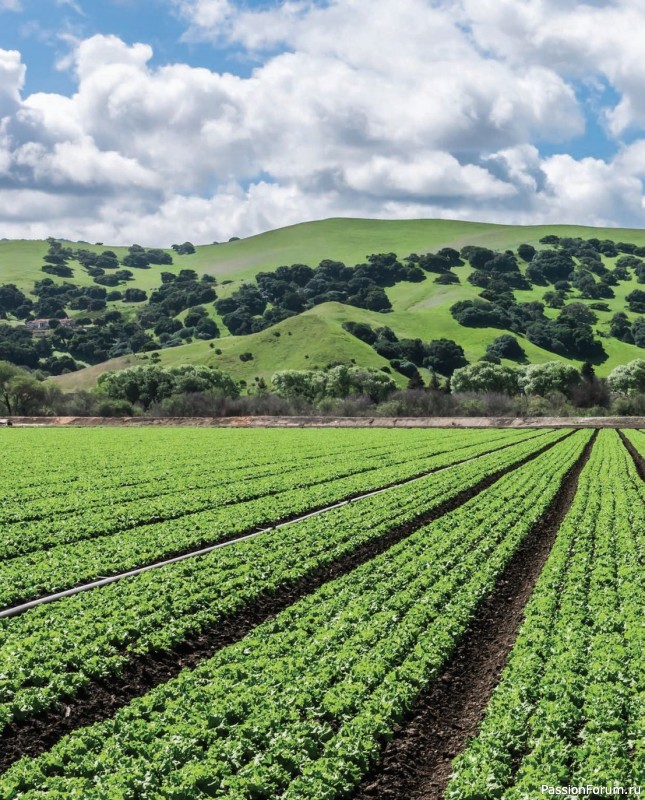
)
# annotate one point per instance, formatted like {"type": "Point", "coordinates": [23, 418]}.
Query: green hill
{"type": "Point", "coordinates": [310, 340]}
{"type": "Point", "coordinates": [315, 337]}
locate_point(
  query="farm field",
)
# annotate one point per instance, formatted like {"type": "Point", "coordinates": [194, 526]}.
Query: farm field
{"type": "Point", "coordinates": [379, 613]}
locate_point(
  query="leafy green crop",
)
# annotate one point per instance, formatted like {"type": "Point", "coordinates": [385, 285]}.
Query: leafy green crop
{"type": "Point", "coordinates": [55, 650]}
{"type": "Point", "coordinates": [102, 541]}
{"type": "Point", "coordinates": [570, 709]}
{"type": "Point", "coordinates": [300, 707]}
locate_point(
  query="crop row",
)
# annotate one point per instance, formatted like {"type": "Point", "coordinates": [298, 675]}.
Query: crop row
{"type": "Point", "coordinates": [637, 438]}
{"type": "Point", "coordinates": [58, 456]}
{"type": "Point", "coordinates": [300, 707]}
{"type": "Point", "coordinates": [155, 459]}
{"type": "Point", "coordinates": [66, 459]}
{"type": "Point", "coordinates": [570, 709]}
{"type": "Point", "coordinates": [69, 564]}
{"type": "Point", "coordinates": [55, 651]}
{"type": "Point", "coordinates": [104, 514]}
{"type": "Point", "coordinates": [101, 517]}
{"type": "Point", "coordinates": [187, 473]}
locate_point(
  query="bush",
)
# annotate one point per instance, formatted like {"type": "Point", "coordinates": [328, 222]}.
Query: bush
{"type": "Point", "coordinates": [134, 295]}
{"type": "Point", "coordinates": [194, 315]}
{"type": "Point", "coordinates": [480, 314]}
{"type": "Point", "coordinates": [526, 252]}
{"type": "Point", "coordinates": [206, 328]}
{"type": "Point", "coordinates": [549, 378]}
{"type": "Point", "coordinates": [636, 300]}
{"type": "Point", "coordinates": [152, 384]}
{"type": "Point", "coordinates": [553, 265]}
{"type": "Point", "coordinates": [406, 368]}
{"type": "Point", "coordinates": [444, 356]}
{"type": "Point", "coordinates": [185, 249]}
{"type": "Point", "coordinates": [447, 278]}
{"type": "Point", "coordinates": [628, 379]}
{"type": "Point", "coordinates": [629, 406]}
{"type": "Point", "coordinates": [485, 377]}
{"type": "Point", "coordinates": [361, 330]}
{"type": "Point", "coordinates": [638, 331]}
{"type": "Point", "coordinates": [417, 403]}
{"type": "Point", "coordinates": [61, 270]}
{"type": "Point", "coordinates": [506, 346]}
{"type": "Point", "coordinates": [337, 382]}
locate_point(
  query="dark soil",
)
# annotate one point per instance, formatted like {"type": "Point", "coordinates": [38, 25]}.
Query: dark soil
{"type": "Point", "coordinates": [33, 736]}
{"type": "Point", "coordinates": [639, 461]}
{"type": "Point", "coordinates": [416, 763]}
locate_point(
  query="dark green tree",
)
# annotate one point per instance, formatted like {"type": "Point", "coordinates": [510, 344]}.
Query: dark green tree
{"type": "Point", "coordinates": [444, 356]}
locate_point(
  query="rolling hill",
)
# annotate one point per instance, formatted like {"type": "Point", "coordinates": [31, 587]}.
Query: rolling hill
{"type": "Point", "coordinates": [315, 337]}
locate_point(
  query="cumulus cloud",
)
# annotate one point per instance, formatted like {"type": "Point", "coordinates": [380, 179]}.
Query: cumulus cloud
{"type": "Point", "coordinates": [12, 79]}
{"type": "Point", "coordinates": [581, 39]}
{"type": "Point", "coordinates": [425, 108]}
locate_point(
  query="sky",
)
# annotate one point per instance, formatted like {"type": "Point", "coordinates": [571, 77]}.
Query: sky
{"type": "Point", "coordinates": [161, 121]}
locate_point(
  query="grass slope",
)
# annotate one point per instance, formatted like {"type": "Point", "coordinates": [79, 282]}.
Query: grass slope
{"type": "Point", "coordinates": [420, 310]}
{"type": "Point", "coordinates": [310, 340]}
{"type": "Point", "coordinates": [348, 240]}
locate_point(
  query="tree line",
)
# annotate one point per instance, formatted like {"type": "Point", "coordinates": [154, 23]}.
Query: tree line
{"type": "Point", "coordinates": [483, 388]}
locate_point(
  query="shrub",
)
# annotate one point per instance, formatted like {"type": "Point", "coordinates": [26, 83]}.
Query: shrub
{"type": "Point", "coordinates": [628, 379]}
{"type": "Point", "coordinates": [485, 377]}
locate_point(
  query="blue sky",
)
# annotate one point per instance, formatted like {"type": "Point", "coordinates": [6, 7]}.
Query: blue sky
{"type": "Point", "coordinates": [136, 119]}
{"type": "Point", "coordinates": [40, 30]}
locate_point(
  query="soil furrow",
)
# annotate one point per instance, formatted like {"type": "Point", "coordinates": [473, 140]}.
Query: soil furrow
{"type": "Point", "coordinates": [142, 672]}
{"type": "Point", "coordinates": [416, 763]}
{"type": "Point", "coordinates": [26, 603]}
{"type": "Point", "coordinates": [639, 461]}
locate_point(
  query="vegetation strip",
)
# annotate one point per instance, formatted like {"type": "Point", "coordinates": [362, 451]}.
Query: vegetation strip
{"type": "Point", "coordinates": [56, 651]}
{"type": "Point", "coordinates": [101, 516]}
{"type": "Point", "coordinates": [570, 708]}
{"type": "Point", "coordinates": [146, 670]}
{"type": "Point", "coordinates": [126, 452]}
{"type": "Point", "coordinates": [24, 509]}
{"type": "Point", "coordinates": [416, 763]}
{"type": "Point", "coordinates": [370, 477]}
{"type": "Point", "coordinates": [639, 459]}
{"type": "Point", "coordinates": [298, 708]}
{"type": "Point", "coordinates": [20, 609]}
{"type": "Point", "coordinates": [23, 539]}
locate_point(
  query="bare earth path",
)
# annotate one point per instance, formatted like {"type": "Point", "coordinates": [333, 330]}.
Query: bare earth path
{"type": "Point", "coordinates": [339, 422]}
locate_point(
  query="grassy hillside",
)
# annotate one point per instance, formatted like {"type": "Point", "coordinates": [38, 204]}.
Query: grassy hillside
{"type": "Point", "coordinates": [347, 240]}
{"type": "Point", "coordinates": [310, 340]}
{"type": "Point", "coordinates": [419, 309]}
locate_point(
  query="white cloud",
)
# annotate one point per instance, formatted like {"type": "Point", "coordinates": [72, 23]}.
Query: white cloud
{"type": "Point", "coordinates": [73, 5]}
{"type": "Point", "coordinates": [580, 39]}
{"type": "Point", "coordinates": [12, 79]}
{"type": "Point", "coordinates": [592, 190]}
{"type": "Point", "coordinates": [419, 108]}
{"type": "Point", "coordinates": [81, 164]}
{"type": "Point", "coordinates": [433, 174]}
{"type": "Point", "coordinates": [209, 17]}
{"type": "Point", "coordinates": [10, 5]}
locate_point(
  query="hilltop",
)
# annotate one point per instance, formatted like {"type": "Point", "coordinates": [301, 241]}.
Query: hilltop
{"type": "Point", "coordinates": [315, 337]}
